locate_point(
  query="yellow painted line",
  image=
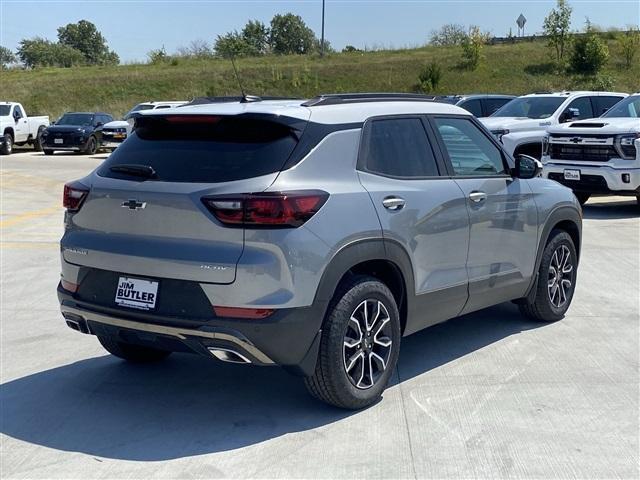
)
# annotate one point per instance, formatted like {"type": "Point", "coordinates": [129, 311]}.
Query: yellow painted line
{"type": "Point", "coordinates": [23, 217]}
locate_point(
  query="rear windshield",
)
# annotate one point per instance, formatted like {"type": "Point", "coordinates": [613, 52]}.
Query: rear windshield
{"type": "Point", "coordinates": [207, 149]}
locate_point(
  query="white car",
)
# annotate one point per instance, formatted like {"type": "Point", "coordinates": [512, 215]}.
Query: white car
{"type": "Point", "coordinates": [19, 129]}
{"type": "Point", "coordinates": [116, 132]}
{"type": "Point", "coordinates": [599, 156]}
{"type": "Point", "coordinates": [522, 123]}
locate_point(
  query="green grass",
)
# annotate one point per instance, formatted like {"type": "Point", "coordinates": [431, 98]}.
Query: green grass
{"type": "Point", "coordinates": [515, 69]}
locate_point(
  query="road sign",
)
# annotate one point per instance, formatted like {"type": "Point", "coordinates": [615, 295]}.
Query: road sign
{"type": "Point", "coordinates": [521, 21]}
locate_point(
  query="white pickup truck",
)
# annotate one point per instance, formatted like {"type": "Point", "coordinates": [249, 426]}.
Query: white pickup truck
{"type": "Point", "coordinates": [18, 129]}
{"type": "Point", "coordinates": [599, 156]}
{"type": "Point", "coordinates": [522, 123]}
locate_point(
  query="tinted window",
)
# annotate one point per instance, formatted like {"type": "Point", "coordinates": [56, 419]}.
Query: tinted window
{"type": "Point", "coordinates": [4, 110]}
{"type": "Point", "coordinates": [531, 107]}
{"type": "Point", "coordinates": [206, 149]}
{"type": "Point", "coordinates": [627, 108]}
{"type": "Point", "coordinates": [399, 148]}
{"type": "Point", "coordinates": [602, 104]}
{"type": "Point", "coordinates": [473, 106]}
{"type": "Point", "coordinates": [469, 149]}
{"type": "Point", "coordinates": [18, 112]}
{"type": "Point", "coordinates": [492, 105]}
{"type": "Point", "coordinates": [162, 106]}
{"type": "Point", "coordinates": [583, 104]}
{"type": "Point", "coordinates": [76, 119]}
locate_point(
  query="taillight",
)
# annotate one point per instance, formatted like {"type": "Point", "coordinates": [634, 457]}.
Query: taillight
{"type": "Point", "coordinates": [73, 196]}
{"type": "Point", "coordinates": [281, 209]}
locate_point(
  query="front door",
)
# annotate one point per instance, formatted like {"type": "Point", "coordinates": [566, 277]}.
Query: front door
{"type": "Point", "coordinates": [502, 212]}
{"type": "Point", "coordinates": [421, 210]}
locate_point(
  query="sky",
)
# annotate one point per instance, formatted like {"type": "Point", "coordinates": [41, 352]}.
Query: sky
{"type": "Point", "coordinates": [134, 27]}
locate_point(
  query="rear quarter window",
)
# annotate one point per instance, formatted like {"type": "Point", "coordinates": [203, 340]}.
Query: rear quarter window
{"type": "Point", "coordinates": [204, 149]}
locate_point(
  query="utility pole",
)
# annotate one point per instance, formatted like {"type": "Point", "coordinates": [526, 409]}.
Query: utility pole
{"type": "Point", "coordinates": [322, 36]}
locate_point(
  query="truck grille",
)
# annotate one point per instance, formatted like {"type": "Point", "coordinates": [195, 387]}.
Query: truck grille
{"type": "Point", "coordinates": [583, 153]}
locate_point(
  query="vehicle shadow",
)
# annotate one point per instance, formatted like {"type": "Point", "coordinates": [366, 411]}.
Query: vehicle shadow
{"type": "Point", "coordinates": [595, 210]}
{"type": "Point", "coordinates": [187, 406]}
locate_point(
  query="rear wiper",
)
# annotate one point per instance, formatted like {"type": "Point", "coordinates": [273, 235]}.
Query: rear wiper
{"type": "Point", "coordinates": [146, 171]}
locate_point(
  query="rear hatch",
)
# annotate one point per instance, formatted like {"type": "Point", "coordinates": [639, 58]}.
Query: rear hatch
{"type": "Point", "coordinates": [144, 213]}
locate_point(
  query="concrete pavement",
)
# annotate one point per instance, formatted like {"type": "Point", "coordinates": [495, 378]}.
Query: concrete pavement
{"type": "Point", "coordinates": [489, 395]}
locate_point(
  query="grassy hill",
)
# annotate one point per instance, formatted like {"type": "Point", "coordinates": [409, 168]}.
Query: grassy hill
{"type": "Point", "coordinates": [513, 68]}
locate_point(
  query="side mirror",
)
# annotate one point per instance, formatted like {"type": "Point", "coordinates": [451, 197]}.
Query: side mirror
{"type": "Point", "coordinates": [99, 124]}
{"type": "Point", "coordinates": [526, 167]}
{"type": "Point", "coordinates": [569, 114]}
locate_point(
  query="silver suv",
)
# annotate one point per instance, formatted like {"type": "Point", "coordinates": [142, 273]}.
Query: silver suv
{"type": "Point", "coordinates": [312, 235]}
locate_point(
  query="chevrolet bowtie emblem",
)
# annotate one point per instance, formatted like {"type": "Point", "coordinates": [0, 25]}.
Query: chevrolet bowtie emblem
{"type": "Point", "coordinates": [133, 204]}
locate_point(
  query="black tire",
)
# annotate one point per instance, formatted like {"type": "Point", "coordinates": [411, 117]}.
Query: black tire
{"type": "Point", "coordinates": [582, 197]}
{"type": "Point", "coordinates": [37, 142]}
{"type": "Point", "coordinates": [48, 151]}
{"type": "Point", "coordinates": [545, 306]}
{"type": "Point", "coordinates": [7, 144]}
{"type": "Point", "coordinates": [130, 352]}
{"type": "Point", "coordinates": [331, 381]}
{"type": "Point", "coordinates": [92, 146]}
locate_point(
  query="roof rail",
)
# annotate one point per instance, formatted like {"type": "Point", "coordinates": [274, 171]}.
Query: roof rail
{"type": "Point", "coordinates": [339, 98]}
{"type": "Point", "coordinates": [233, 99]}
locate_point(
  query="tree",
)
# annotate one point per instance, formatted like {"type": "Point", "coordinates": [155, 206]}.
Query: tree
{"type": "Point", "coordinates": [6, 57]}
{"type": "Point", "coordinates": [39, 52]}
{"type": "Point", "coordinates": [449, 34]}
{"type": "Point", "coordinates": [157, 56]}
{"type": "Point", "coordinates": [231, 45]}
{"type": "Point", "coordinates": [472, 46]}
{"type": "Point", "coordinates": [290, 35]}
{"type": "Point", "coordinates": [590, 53]}
{"type": "Point", "coordinates": [630, 44]}
{"type": "Point", "coordinates": [85, 37]}
{"type": "Point", "coordinates": [256, 37]}
{"type": "Point", "coordinates": [429, 77]}
{"type": "Point", "coordinates": [556, 28]}
{"type": "Point", "coordinates": [197, 49]}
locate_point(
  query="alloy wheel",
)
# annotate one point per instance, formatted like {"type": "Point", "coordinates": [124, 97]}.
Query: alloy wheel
{"type": "Point", "coordinates": [367, 343]}
{"type": "Point", "coordinates": [560, 281]}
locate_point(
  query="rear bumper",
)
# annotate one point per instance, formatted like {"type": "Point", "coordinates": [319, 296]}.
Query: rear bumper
{"type": "Point", "coordinates": [597, 179]}
{"type": "Point", "coordinates": [288, 338]}
{"type": "Point", "coordinates": [110, 144]}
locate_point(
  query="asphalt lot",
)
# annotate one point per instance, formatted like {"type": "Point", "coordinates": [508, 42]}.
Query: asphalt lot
{"type": "Point", "coordinates": [488, 395]}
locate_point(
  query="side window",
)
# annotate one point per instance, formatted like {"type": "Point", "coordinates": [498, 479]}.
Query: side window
{"type": "Point", "coordinates": [491, 105]}
{"type": "Point", "coordinates": [473, 106]}
{"type": "Point", "coordinates": [17, 113]}
{"type": "Point", "coordinates": [162, 106]}
{"type": "Point", "coordinates": [469, 149]}
{"type": "Point", "coordinates": [399, 147]}
{"type": "Point", "coordinates": [602, 104]}
{"type": "Point", "coordinates": [583, 105]}
{"type": "Point", "coordinates": [107, 118]}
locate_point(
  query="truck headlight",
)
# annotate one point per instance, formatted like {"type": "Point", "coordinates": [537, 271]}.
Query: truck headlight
{"type": "Point", "coordinates": [625, 145]}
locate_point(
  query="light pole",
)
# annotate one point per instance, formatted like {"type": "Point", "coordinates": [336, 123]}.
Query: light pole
{"type": "Point", "coordinates": [322, 35]}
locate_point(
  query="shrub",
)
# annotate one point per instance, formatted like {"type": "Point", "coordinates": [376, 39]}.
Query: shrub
{"type": "Point", "coordinates": [430, 77]}
{"type": "Point", "coordinates": [603, 83]}
{"type": "Point", "coordinates": [157, 56]}
{"type": "Point", "coordinates": [472, 46]}
{"type": "Point", "coordinates": [629, 43]}
{"type": "Point", "coordinates": [589, 54]}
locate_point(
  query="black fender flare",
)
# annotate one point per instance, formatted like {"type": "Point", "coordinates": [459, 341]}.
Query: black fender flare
{"type": "Point", "coordinates": [562, 213]}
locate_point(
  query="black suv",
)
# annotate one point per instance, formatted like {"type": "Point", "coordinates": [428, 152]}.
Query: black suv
{"type": "Point", "coordinates": [76, 132]}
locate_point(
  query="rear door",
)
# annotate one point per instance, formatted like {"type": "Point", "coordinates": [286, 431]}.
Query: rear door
{"type": "Point", "coordinates": [419, 209]}
{"type": "Point", "coordinates": [502, 212]}
{"type": "Point", "coordinates": [157, 225]}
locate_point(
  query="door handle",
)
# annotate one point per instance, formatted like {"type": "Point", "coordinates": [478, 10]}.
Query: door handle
{"type": "Point", "coordinates": [477, 196]}
{"type": "Point", "coordinates": [393, 203]}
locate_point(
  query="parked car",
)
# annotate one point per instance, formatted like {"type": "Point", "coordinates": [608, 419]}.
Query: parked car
{"type": "Point", "coordinates": [311, 235]}
{"type": "Point", "coordinates": [117, 131]}
{"type": "Point", "coordinates": [76, 132]}
{"type": "Point", "coordinates": [599, 156]}
{"type": "Point", "coordinates": [522, 123]}
{"type": "Point", "coordinates": [19, 129]}
{"type": "Point", "coordinates": [481, 105]}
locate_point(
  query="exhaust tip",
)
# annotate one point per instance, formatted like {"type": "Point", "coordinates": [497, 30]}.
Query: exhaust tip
{"type": "Point", "coordinates": [228, 355]}
{"type": "Point", "coordinates": [76, 322]}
